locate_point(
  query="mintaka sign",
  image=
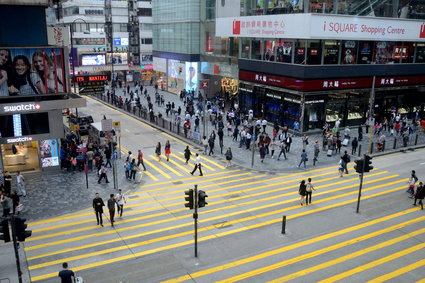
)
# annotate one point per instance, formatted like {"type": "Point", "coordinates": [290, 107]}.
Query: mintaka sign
{"type": "Point", "coordinates": [21, 107]}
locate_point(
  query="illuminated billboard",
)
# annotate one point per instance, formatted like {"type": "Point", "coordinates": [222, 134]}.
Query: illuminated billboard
{"type": "Point", "coordinates": [32, 71]}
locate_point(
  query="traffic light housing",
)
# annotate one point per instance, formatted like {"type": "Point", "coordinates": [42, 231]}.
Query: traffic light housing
{"type": "Point", "coordinates": [189, 199]}
{"type": "Point", "coordinates": [4, 231]}
{"type": "Point", "coordinates": [201, 198]}
{"type": "Point", "coordinates": [368, 163]}
{"type": "Point", "coordinates": [20, 226]}
{"type": "Point", "coordinates": [359, 165]}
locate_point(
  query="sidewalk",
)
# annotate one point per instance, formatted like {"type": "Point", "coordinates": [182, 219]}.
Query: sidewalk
{"type": "Point", "coordinates": [243, 157]}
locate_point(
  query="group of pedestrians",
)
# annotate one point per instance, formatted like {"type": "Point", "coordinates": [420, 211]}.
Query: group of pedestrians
{"type": "Point", "coordinates": [305, 191]}
{"type": "Point", "coordinates": [115, 201]}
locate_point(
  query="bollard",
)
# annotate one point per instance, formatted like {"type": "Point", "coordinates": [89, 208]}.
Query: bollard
{"type": "Point", "coordinates": [371, 148]}
{"type": "Point", "coordinates": [171, 125]}
{"type": "Point", "coordinates": [383, 145]}
{"type": "Point", "coordinates": [395, 143]}
{"type": "Point", "coordinates": [163, 124]}
{"type": "Point", "coordinates": [416, 139]}
{"type": "Point", "coordinates": [360, 149]}
{"type": "Point", "coordinates": [283, 224]}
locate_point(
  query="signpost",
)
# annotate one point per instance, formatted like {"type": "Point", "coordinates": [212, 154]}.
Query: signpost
{"type": "Point", "coordinates": [117, 129]}
{"type": "Point", "coordinates": [106, 125]}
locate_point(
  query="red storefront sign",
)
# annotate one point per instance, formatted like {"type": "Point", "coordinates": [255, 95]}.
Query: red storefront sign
{"type": "Point", "coordinates": [329, 84]}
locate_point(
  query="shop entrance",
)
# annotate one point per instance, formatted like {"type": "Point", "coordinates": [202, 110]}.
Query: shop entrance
{"type": "Point", "coordinates": [22, 156]}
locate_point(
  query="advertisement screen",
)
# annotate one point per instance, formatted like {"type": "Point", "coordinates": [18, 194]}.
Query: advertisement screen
{"type": "Point", "coordinates": [31, 71]}
{"type": "Point", "coordinates": [18, 125]}
{"type": "Point", "coordinates": [49, 153]}
{"type": "Point", "coordinates": [93, 59]}
{"type": "Point", "coordinates": [191, 75]}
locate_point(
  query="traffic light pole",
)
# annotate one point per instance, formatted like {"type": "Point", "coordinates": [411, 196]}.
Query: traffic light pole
{"type": "Point", "coordinates": [195, 218]}
{"type": "Point", "coordinates": [15, 245]}
{"type": "Point", "coordinates": [361, 184]}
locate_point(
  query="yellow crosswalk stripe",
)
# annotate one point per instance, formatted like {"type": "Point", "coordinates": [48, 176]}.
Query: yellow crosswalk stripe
{"type": "Point", "coordinates": [212, 162]}
{"type": "Point", "coordinates": [335, 261]}
{"type": "Point", "coordinates": [191, 164]}
{"type": "Point", "coordinates": [402, 270]}
{"type": "Point", "coordinates": [304, 243]}
{"type": "Point", "coordinates": [181, 167]}
{"type": "Point", "coordinates": [151, 165]}
{"type": "Point", "coordinates": [163, 163]}
{"type": "Point", "coordinates": [237, 230]}
{"type": "Point", "coordinates": [193, 158]}
{"type": "Point", "coordinates": [150, 175]}
{"type": "Point", "coordinates": [421, 280]}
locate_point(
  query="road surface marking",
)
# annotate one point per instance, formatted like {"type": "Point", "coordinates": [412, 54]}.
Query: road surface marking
{"type": "Point", "coordinates": [245, 228]}
{"type": "Point", "coordinates": [163, 163]}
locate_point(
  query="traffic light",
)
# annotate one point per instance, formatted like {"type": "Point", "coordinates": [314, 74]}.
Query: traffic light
{"type": "Point", "coordinates": [201, 198]}
{"type": "Point", "coordinates": [4, 231]}
{"type": "Point", "coordinates": [189, 198]}
{"type": "Point", "coordinates": [368, 163]}
{"type": "Point", "coordinates": [359, 165]}
{"type": "Point", "coordinates": [20, 226]}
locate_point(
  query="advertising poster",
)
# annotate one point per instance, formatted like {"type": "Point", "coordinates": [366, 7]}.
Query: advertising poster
{"type": "Point", "coordinates": [49, 153]}
{"type": "Point", "coordinates": [384, 52]}
{"type": "Point", "coordinates": [31, 71]}
{"type": "Point", "coordinates": [93, 59]}
{"type": "Point", "coordinates": [176, 75]}
{"type": "Point", "coordinates": [365, 52]}
{"type": "Point", "coordinates": [191, 76]}
{"type": "Point", "coordinates": [349, 52]}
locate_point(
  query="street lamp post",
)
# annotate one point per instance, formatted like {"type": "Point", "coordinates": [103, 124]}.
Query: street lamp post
{"type": "Point", "coordinates": [72, 48]}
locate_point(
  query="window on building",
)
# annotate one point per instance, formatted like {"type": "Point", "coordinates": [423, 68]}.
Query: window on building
{"type": "Point", "coordinates": [256, 49]}
{"type": "Point", "coordinates": [144, 12]}
{"type": "Point", "coordinates": [246, 47]}
{"type": "Point", "coordinates": [145, 27]}
{"type": "Point", "coordinates": [300, 51]}
{"type": "Point", "coordinates": [93, 11]}
{"type": "Point", "coordinates": [420, 53]}
{"type": "Point", "coordinates": [365, 52]}
{"type": "Point", "coordinates": [269, 50]}
{"type": "Point", "coordinates": [71, 11]}
{"type": "Point", "coordinates": [314, 52]}
{"type": "Point", "coordinates": [119, 27]}
{"type": "Point", "coordinates": [210, 9]}
{"type": "Point", "coordinates": [349, 52]}
{"type": "Point", "coordinates": [146, 40]}
{"type": "Point", "coordinates": [331, 52]}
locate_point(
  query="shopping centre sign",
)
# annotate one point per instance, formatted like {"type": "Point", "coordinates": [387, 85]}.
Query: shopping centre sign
{"type": "Point", "coordinates": [21, 107]}
{"type": "Point", "coordinates": [317, 26]}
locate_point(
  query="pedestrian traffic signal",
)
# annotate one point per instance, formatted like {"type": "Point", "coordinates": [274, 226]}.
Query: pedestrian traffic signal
{"type": "Point", "coordinates": [367, 163]}
{"type": "Point", "coordinates": [359, 165]}
{"type": "Point", "coordinates": [20, 226]}
{"type": "Point", "coordinates": [189, 199]}
{"type": "Point", "coordinates": [201, 198]}
{"type": "Point", "coordinates": [4, 231]}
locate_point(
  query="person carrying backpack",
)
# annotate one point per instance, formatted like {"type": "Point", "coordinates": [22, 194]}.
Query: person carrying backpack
{"type": "Point", "coordinates": [345, 160]}
{"type": "Point", "coordinates": [412, 181]}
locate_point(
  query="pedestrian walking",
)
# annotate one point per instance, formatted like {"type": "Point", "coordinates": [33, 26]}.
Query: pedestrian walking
{"type": "Point", "coordinates": [111, 207]}
{"type": "Point", "coordinates": [120, 198]}
{"type": "Point", "coordinates": [346, 159]}
{"type": "Point", "coordinates": [305, 141]}
{"type": "Point", "coordinates": [197, 165]}
{"type": "Point", "coordinates": [412, 181]}
{"type": "Point", "coordinates": [98, 205]}
{"type": "Point", "coordinates": [140, 160]}
{"type": "Point", "coordinates": [341, 168]}
{"type": "Point", "coordinates": [66, 275]}
{"type": "Point", "coordinates": [354, 145]}
{"type": "Point", "coordinates": [7, 180]}
{"type": "Point", "coordinates": [302, 191]}
{"type": "Point", "coordinates": [288, 142]}
{"type": "Point", "coordinates": [211, 141]}
{"type": "Point", "coordinates": [102, 174]}
{"type": "Point", "coordinates": [127, 169]}
{"type": "Point", "coordinates": [420, 195]}
{"type": "Point", "coordinates": [15, 202]}
{"type": "Point", "coordinates": [309, 190]}
{"type": "Point", "coordinates": [20, 182]}
{"type": "Point", "coordinates": [316, 152]}
{"type": "Point", "coordinates": [205, 144]}
{"type": "Point", "coordinates": [5, 203]}
{"type": "Point", "coordinates": [133, 169]}
{"type": "Point", "coordinates": [282, 149]}
{"type": "Point", "coordinates": [304, 158]}
{"type": "Point", "coordinates": [229, 157]}
{"type": "Point", "coordinates": [262, 153]}
{"type": "Point", "coordinates": [187, 154]}
{"type": "Point", "coordinates": [272, 147]}
{"type": "Point", "coordinates": [167, 150]}
{"type": "Point", "coordinates": [158, 151]}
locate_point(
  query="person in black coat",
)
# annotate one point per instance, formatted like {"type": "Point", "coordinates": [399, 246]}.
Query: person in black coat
{"type": "Point", "coordinates": [354, 145]}
{"type": "Point", "coordinates": [420, 194]}
{"type": "Point", "coordinates": [98, 205]}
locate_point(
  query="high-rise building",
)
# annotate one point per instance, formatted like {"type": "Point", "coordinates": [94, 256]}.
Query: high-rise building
{"type": "Point", "coordinates": [34, 87]}
{"type": "Point", "coordinates": [316, 62]}
{"type": "Point", "coordinates": [110, 36]}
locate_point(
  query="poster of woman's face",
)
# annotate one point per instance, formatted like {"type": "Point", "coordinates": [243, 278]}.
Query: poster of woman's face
{"type": "Point", "coordinates": [32, 71]}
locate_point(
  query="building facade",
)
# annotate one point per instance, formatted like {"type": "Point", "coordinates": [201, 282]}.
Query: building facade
{"type": "Point", "coordinates": [34, 88]}
{"type": "Point", "coordinates": [110, 36]}
{"type": "Point", "coordinates": [316, 62]}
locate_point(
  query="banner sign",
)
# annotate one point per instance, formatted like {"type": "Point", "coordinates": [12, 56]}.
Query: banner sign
{"type": "Point", "coordinates": [316, 26]}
